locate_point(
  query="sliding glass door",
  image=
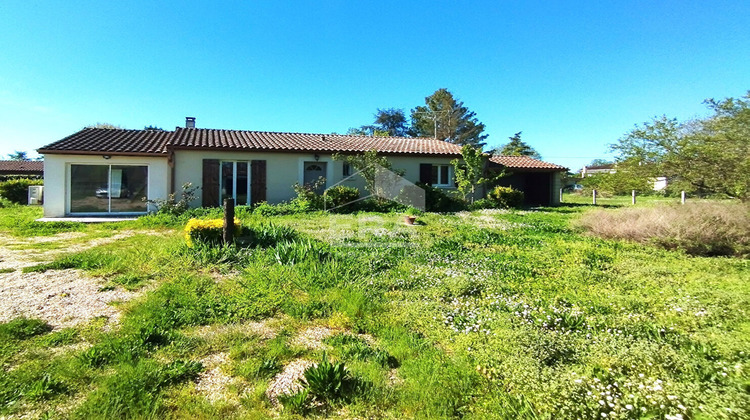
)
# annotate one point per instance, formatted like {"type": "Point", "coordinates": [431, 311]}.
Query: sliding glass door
{"type": "Point", "coordinates": [235, 182]}
{"type": "Point", "coordinates": [105, 189]}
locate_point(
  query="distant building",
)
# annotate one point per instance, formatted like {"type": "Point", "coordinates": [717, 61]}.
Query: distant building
{"type": "Point", "coordinates": [598, 169]}
{"type": "Point", "coordinates": [25, 168]}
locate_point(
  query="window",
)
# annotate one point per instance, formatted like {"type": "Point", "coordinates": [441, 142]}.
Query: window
{"type": "Point", "coordinates": [235, 182]}
{"type": "Point", "coordinates": [108, 189]}
{"type": "Point", "coordinates": [442, 175]}
{"type": "Point", "coordinates": [347, 170]}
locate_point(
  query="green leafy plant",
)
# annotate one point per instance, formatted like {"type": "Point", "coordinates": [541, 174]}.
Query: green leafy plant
{"type": "Point", "coordinates": [326, 380]}
{"type": "Point", "coordinates": [339, 196]}
{"type": "Point", "coordinates": [506, 197]}
{"type": "Point", "coordinates": [172, 206]}
{"type": "Point", "coordinates": [297, 403]}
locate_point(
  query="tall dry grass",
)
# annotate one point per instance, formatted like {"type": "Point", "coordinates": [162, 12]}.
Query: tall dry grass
{"type": "Point", "coordinates": [700, 228]}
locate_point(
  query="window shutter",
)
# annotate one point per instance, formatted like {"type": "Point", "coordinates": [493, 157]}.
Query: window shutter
{"type": "Point", "coordinates": [425, 173]}
{"type": "Point", "coordinates": [258, 181]}
{"type": "Point", "coordinates": [210, 183]}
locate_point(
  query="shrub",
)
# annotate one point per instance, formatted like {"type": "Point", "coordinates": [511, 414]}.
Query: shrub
{"type": "Point", "coordinates": [484, 203]}
{"type": "Point", "coordinates": [341, 195]}
{"type": "Point", "coordinates": [17, 190]}
{"type": "Point", "coordinates": [438, 201]}
{"type": "Point", "coordinates": [207, 231]}
{"type": "Point", "coordinates": [307, 194]}
{"type": "Point", "coordinates": [506, 197]}
{"type": "Point", "coordinates": [174, 207]}
{"type": "Point", "coordinates": [698, 228]}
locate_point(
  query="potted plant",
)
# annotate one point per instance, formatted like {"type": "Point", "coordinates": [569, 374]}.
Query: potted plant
{"type": "Point", "coordinates": [410, 216]}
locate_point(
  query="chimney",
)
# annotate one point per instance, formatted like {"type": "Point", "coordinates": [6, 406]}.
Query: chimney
{"type": "Point", "coordinates": [189, 122]}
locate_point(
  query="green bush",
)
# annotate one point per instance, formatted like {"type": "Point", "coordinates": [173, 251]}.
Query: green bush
{"type": "Point", "coordinates": [292, 207]}
{"type": "Point", "coordinates": [17, 190]}
{"type": "Point", "coordinates": [484, 203]}
{"type": "Point", "coordinates": [506, 197]}
{"type": "Point", "coordinates": [341, 195]}
{"type": "Point", "coordinates": [436, 200]}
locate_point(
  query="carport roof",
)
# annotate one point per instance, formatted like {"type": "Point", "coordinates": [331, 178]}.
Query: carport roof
{"type": "Point", "coordinates": [525, 162]}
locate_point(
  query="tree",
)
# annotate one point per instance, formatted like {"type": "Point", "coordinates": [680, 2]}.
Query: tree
{"type": "Point", "coordinates": [107, 126]}
{"type": "Point", "coordinates": [18, 155]}
{"type": "Point", "coordinates": [516, 147]}
{"type": "Point", "coordinates": [708, 156]}
{"type": "Point", "coordinates": [370, 167]}
{"type": "Point", "coordinates": [599, 162]}
{"type": "Point", "coordinates": [444, 118]}
{"type": "Point", "coordinates": [153, 128]}
{"type": "Point", "coordinates": [392, 121]}
{"type": "Point", "coordinates": [366, 130]}
{"type": "Point", "coordinates": [470, 170]}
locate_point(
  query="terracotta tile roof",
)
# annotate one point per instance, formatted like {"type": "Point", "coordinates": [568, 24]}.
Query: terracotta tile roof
{"type": "Point", "coordinates": [525, 162]}
{"type": "Point", "coordinates": [21, 166]}
{"type": "Point", "coordinates": [112, 141]}
{"type": "Point", "coordinates": [198, 138]}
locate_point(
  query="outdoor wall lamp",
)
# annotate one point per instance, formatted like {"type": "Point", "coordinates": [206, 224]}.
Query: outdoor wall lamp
{"type": "Point", "coordinates": [106, 156]}
{"type": "Point", "coordinates": [317, 157]}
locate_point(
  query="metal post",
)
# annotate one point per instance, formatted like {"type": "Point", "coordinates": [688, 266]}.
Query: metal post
{"type": "Point", "coordinates": [633, 197]}
{"type": "Point", "coordinates": [682, 197]}
{"type": "Point", "coordinates": [593, 196]}
{"type": "Point", "coordinates": [228, 233]}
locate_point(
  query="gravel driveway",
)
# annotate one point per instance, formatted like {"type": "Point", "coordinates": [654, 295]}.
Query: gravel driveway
{"type": "Point", "coordinates": [63, 298]}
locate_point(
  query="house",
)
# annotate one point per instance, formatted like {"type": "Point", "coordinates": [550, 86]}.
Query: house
{"type": "Point", "coordinates": [111, 171]}
{"type": "Point", "coordinates": [660, 182]}
{"type": "Point", "coordinates": [23, 168]}
{"type": "Point", "coordinates": [608, 168]}
{"type": "Point", "coordinates": [540, 181]}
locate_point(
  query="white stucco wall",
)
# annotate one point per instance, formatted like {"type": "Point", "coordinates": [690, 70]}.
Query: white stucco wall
{"type": "Point", "coordinates": [284, 169]}
{"type": "Point", "coordinates": [556, 185]}
{"type": "Point", "coordinates": [57, 177]}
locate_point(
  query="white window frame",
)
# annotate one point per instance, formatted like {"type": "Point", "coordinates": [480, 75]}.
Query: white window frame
{"type": "Point", "coordinates": [234, 181]}
{"type": "Point", "coordinates": [440, 168]}
{"type": "Point", "coordinates": [109, 212]}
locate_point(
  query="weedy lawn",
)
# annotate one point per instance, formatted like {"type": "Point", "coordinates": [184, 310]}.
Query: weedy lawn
{"type": "Point", "coordinates": [489, 314]}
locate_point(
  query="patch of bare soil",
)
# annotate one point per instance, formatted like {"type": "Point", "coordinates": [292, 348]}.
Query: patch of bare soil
{"type": "Point", "coordinates": [213, 383]}
{"type": "Point", "coordinates": [20, 258]}
{"type": "Point", "coordinates": [288, 381]}
{"type": "Point", "coordinates": [312, 338]}
{"type": "Point", "coordinates": [63, 298]}
{"type": "Point", "coordinates": [264, 329]}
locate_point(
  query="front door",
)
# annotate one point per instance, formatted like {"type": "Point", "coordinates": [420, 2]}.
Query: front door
{"type": "Point", "coordinates": [313, 172]}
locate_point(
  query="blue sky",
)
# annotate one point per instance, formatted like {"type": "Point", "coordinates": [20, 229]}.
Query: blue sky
{"type": "Point", "coordinates": [573, 76]}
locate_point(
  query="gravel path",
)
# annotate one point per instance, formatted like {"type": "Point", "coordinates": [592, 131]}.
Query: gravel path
{"type": "Point", "coordinates": [63, 298]}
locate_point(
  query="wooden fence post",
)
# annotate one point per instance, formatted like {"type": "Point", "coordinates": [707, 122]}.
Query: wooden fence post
{"type": "Point", "coordinates": [633, 197]}
{"type": "Point", "coordinates": [228, 232]}
{"type": "Point", "coordinates": [682, 197]}
{"type": "Point", "coordinates": [593, 196]}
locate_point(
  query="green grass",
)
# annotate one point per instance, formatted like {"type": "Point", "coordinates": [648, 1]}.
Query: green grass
{"type": "Point", "coordinates": [491, 314]}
